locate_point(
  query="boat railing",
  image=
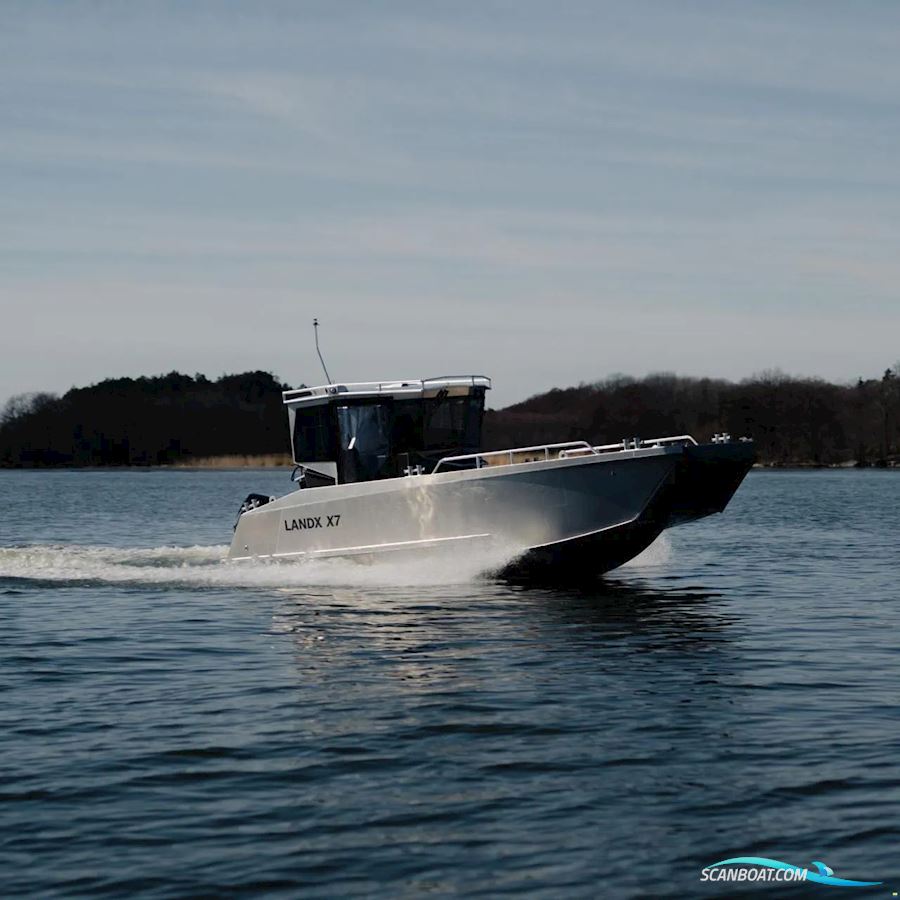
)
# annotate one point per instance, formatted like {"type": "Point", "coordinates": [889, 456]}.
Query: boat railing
{"type": "Point", "coordinates": [538, 453]}
{"type": "Point", "coordinates": [637, 444]}
{"type": "Point", "coordinates": [645, 443]}
{"type": "Point", "coordinates": [566, 450]}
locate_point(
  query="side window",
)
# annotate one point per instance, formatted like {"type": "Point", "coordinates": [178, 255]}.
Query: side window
{"type": "Point", "coordinates": [313, 435]}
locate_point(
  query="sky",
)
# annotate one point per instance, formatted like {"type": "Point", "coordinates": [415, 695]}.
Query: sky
{"type": "Point", "coordinates": [548, 193]}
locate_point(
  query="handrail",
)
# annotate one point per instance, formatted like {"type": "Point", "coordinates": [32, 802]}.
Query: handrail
{"type": "Point", "coordinates": [584, 446]}
{"type": "Point", "coordinates": [568, 449]}
{"type": "Point", "coordinates": [638, 444]}
{"type": "Point", "coordinates": [643, 444]}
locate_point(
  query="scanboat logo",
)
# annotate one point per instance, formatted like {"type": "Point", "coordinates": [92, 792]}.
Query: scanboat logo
{"type": "Point", "coordinates": [762, 869]}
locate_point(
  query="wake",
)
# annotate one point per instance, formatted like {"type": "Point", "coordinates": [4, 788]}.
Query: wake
{"type": "Point", "coordinates": [657, 554]}
{"type": "Point", "coordinates": [208, 567]}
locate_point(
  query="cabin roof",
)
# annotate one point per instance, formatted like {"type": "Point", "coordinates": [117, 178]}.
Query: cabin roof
{"type": "Point", "coordinates": [405, 388]}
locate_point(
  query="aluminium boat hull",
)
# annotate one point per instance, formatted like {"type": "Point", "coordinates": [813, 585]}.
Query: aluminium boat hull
{"type": "Point", "coordinates": [585, 514]}
{"type": "Point", "coordinates": [706, 479]}
{"type": "Point", "coordinates": [701, 483]}
{"type": "Point", "coordinates": [516, 507]}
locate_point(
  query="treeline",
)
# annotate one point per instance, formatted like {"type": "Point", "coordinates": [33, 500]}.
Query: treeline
{"type": "Point", "coordinates": [794, 421]}
{"type": "Point", "coordinates": [146, 421]}
{"type": "Point", "coordinates": [176, 418]}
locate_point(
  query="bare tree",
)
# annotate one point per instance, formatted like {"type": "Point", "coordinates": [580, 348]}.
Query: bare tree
{"type": "Point", "coordinates": [22, 405]}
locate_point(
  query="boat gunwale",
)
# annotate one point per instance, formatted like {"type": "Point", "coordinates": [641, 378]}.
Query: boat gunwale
{"type": "Point", "coordinates": [413, 482]}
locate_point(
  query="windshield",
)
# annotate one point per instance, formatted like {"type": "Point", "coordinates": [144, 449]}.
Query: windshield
{"type": "Point", "coordinates": [453, 423]}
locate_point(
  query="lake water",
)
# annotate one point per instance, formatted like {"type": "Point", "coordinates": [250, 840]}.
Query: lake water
{"type": "Point", "coordinates": [177, 726]}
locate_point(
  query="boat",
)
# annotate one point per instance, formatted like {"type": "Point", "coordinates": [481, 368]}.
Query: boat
{"type": "Point", "coordinates": [397, 467]}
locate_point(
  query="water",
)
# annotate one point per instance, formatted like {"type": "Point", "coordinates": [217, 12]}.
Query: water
{"type": "Point", "coordinates": [176, 726]}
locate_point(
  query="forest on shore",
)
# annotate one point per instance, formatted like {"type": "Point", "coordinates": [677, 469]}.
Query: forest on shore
{"type": "Point", "coordinates": [160, 420]}
{"type": "Point", "coordinates": [793, 421]}
{"type": "Point", "coordinates": [175, 419]}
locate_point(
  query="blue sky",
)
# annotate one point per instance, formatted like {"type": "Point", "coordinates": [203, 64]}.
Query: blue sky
{"type": "Point", "coordinates": [547, 193]}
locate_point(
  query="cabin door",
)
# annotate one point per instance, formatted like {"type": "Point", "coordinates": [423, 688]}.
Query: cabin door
{"type": "Point", "coordinates": [365, 442]}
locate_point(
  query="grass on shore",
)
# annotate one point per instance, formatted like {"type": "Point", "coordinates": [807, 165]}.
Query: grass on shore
{"type": "Point", "coordinates": [236, 461]}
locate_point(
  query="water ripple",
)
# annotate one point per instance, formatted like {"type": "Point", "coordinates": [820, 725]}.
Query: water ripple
{"type": "Point", "coordinates": [174, 726]}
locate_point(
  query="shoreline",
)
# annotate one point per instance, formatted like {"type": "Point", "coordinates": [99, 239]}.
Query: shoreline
{"type": "Point", "coordinates": [226, 461]}
{"type": "Point", "coordinates": [282, 461]}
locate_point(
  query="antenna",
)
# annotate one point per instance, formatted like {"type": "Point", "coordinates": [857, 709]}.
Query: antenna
{"type": "Point", "coordinates": [316, 330]}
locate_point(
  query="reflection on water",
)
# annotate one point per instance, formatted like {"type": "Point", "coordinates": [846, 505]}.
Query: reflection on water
{"type": "Point", "coordinates": [612, 609]}
{"type": "Point", "coordinates": [447, 639]}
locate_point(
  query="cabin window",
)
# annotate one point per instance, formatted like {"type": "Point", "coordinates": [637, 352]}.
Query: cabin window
{"type": "Point", "coordinates": [406, 435]}
{"type": "Point", "coordinates": [365, 444]}
{"type": "Point", "coordinates": [314, 435]}
{"type": "Point", "coordinates": [454, 423]}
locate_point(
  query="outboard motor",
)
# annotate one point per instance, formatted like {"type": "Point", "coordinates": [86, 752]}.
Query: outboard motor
{"type": "Point", "coordinates": [253, 501]}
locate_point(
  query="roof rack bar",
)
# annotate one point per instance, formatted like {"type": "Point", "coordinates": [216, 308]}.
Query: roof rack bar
{"type": "Point", "coordinates": [374, 388]}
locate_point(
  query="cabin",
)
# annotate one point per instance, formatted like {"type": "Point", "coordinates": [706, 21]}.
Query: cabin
{"type": "Point", "coordinates": [345, 433]}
